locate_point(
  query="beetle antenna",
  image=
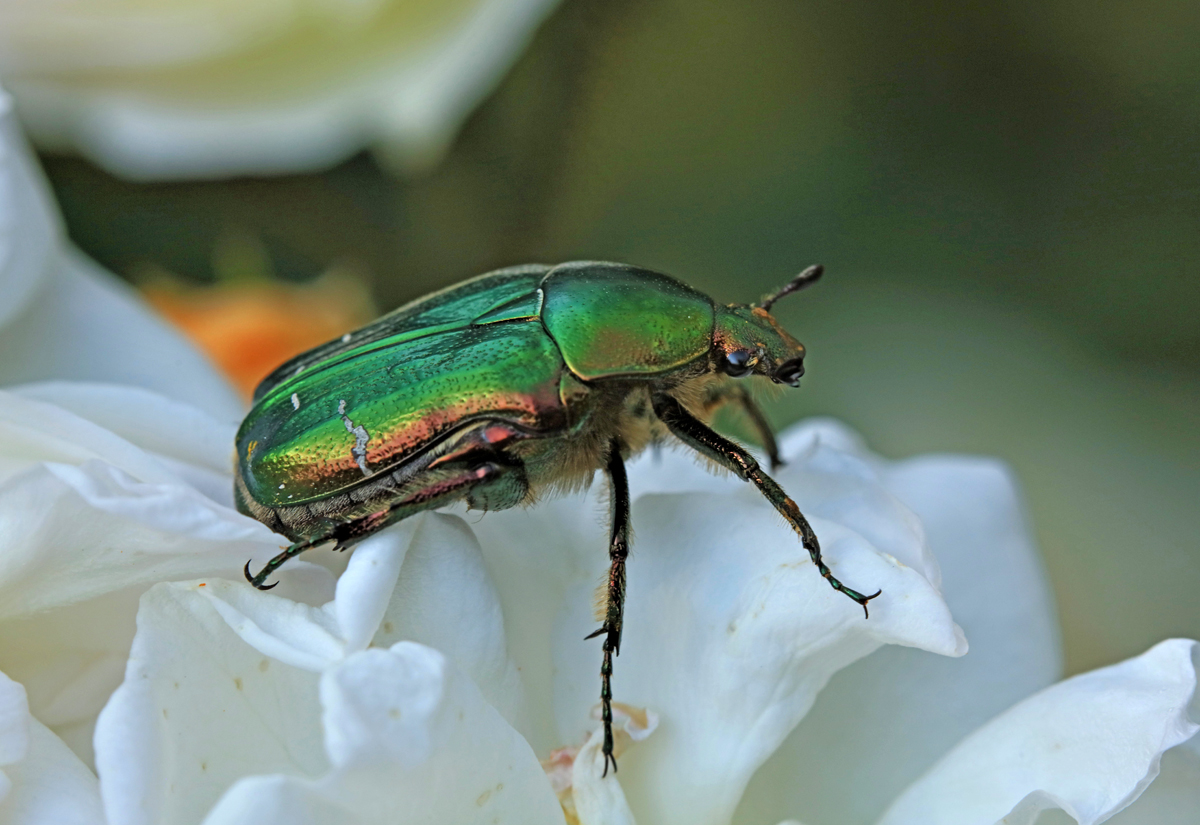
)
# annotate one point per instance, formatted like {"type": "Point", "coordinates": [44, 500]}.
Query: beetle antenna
{"type": "Point", "coordinates": [806, 278]}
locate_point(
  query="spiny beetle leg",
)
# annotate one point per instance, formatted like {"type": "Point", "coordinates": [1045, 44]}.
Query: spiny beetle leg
{"type": "Point", "coordinates": [697, 435]}
{"type": "Point", "coordinates": [453, 483]}
{"type": "Point", "coordinates": [618, 551]}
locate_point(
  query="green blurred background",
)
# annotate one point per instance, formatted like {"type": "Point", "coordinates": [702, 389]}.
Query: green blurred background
{"type": "Point", "coordinates": [1006, 197]}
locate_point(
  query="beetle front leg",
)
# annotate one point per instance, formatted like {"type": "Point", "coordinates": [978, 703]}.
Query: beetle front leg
{"type": "Point", "coordinates": [618, 551]}
{"type": "Point", "coordinates": [693, 432]}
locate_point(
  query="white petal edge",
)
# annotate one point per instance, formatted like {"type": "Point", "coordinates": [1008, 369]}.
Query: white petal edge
{"type": "Point", "coordinates": [90, 512]}
{"type": "Point", "coordinates": [51, 785]}
{"type": "Point", "coordinates": [149, 420]}
{"type": "Point", "coordinates": [314, 638]}
{"type": "Point", "coordinates": [67, 317]}
{"type": "Point", "coordinates": [405, 731]}
{"type": "Point", "coordinates": [1174, 796]}
{"type": "Point", "coordinates": [86, 325]}
{"type": "Point", "coordinates": [29, 226]}
{"type": "Point", "coordinates": [1089, 746]}
{"type": "Point", "coordinates": [81, 532]}
{"type": "Point", "coordinates": [35, 431]}
{"type": "Point", "coordinates": [420, 580]}
{"type": "Point", "coordinates": [14, 728]}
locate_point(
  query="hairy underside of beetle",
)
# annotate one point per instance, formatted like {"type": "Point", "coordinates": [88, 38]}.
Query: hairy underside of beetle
{"type": "Point", "coordinates": [622, 411]}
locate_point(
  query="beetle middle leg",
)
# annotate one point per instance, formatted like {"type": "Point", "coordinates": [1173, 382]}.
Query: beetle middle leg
{"type": "Point", "coordinates": [700, 437]}
{"type": "Point", "coordinates": [729, 393]}
{"type": "Point", "coordinates": [614, 610]}
{"type": "Point", "coordinates": [487, 481]}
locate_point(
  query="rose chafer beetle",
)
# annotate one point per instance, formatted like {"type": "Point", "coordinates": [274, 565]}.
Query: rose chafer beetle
{"type": "Point", "coordinates": [506, 386]}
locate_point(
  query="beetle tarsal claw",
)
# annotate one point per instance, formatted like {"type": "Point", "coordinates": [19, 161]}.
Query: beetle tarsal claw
{"type": "Point", "coordinates": [865, 599]}
{"type": "Point", "coordinates": [253, 579]}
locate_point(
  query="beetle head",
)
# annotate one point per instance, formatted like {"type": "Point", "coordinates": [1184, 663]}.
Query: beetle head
{"type": "Point", "coordinates": [747, 340]}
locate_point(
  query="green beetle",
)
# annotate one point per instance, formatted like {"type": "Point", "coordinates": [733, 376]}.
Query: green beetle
{"type": "Point", "coordinates": [496, 390]}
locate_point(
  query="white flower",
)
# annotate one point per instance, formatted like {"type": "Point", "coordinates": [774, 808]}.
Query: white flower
{"type": "Point", "coordinates": [62, 316]}
{"type": "Point", "coordinates": [207, 88]}
{"type": "Point", "coordinates": [450, 658]}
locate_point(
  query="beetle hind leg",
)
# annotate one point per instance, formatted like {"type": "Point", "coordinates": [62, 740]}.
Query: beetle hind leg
{"type": "Point", "coordinates": [258, 580]}
{"type": "Point", "coordinates": [614, 610]}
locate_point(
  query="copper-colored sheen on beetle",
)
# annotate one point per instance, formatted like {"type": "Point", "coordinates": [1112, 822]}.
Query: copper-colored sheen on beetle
{"type": "Point", "coordinates": [495, 391]}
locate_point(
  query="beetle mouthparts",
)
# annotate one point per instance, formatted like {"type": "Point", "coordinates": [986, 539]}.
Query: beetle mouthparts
{"type": "Point", "coordinates": [789, 372]}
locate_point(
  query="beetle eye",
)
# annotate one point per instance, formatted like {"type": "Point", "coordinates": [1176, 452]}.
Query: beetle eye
{"type": "Point", "coordinates": [737, 364]}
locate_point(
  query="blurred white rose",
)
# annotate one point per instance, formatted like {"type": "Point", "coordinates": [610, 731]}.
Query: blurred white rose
{"type": "Point", "coordinates": [208, 88]}
{"type": "Point", "coordinates": [449, 659]}
{"type": "Point", "coordinates": [62, 316]}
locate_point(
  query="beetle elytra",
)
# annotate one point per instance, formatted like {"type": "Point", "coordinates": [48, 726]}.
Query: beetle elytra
{"type": "Point", "coordinates": [496, 390]}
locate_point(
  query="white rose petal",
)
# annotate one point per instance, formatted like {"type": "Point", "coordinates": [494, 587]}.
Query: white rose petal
{"type": "Point", "coordinates": [235, 658]}
{"type": "Point", "coordinates": [206, 89]}
{"type": "Point", "coordinates": [534, 555]}
{"type": "Point", "coordinates": [366, 589]}
{"type": "Point", "coordinates": [445, 599]}
{"type": "Point", "coordinates": [33, 433]}
{"type": "Point", "coordinates": [29, 224]}
{"type": "Point", "coordinates": [51, 785]}
{"type": "Point", "coordinates": [729, 635]}
{"type": "Point", "coordinates": [154, 423]}
{"type": "Point", "coordinates": [598, 800]}
{"type": "Point", "coordinates": [70, 660]}
{"type": "Point", "coordinates": [421, 580]}
{"type": "Point", "coordinates": [83, 324]}
{"type": "Point", "coordinates": [90, 519]}
{"type": "Point", "coordinates": [885, 719]}
{"type": "Point", "coordinates": [1089, 746]}
{"type": "Point", "coordinates": [111, 518]}
{"type": "Point", "coordinates": [198, 710]}
{"type": "Point", "coordinates": [14, 728]}
{"type": "Point", "coordinates": [41, 781]}
{"type": "Point", "coordinates": [314, 638]}
{"type": "Point", "coordinates": [406, 732]}
{"type": "Point", "coordinates": [64, 317]}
